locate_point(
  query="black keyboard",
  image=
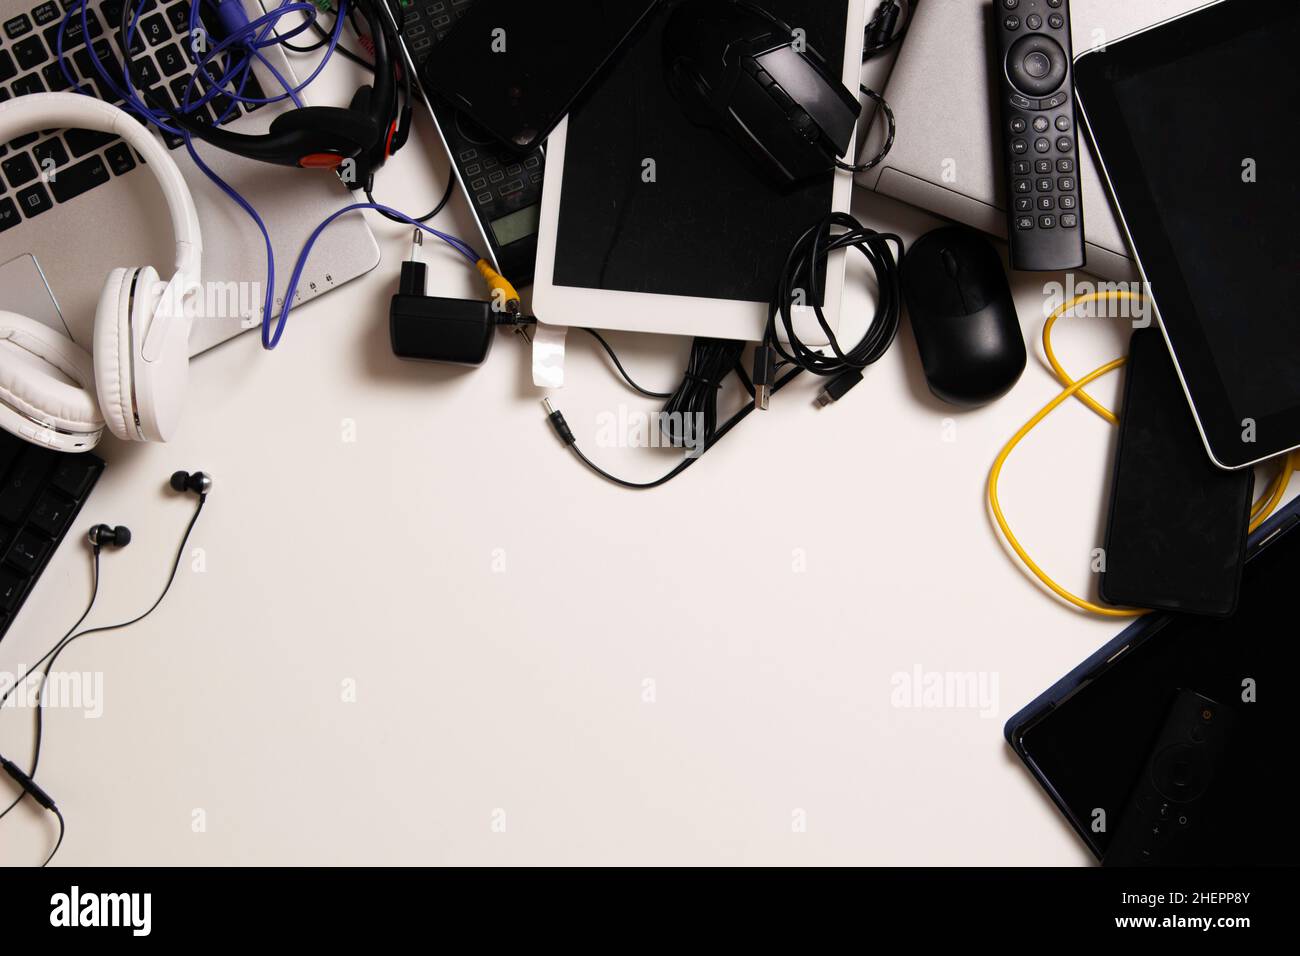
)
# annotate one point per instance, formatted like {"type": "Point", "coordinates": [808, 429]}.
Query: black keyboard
{"type": "Point", "coordinates": [41, 491]}
{"type": "Point", "coordinates": [41, 170]}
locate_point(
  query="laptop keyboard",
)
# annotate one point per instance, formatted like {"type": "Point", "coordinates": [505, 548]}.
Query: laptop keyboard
{"type": "Point", "coordinates": [41, 491]}
{"type": "Point", "coordinates": [41, 170]}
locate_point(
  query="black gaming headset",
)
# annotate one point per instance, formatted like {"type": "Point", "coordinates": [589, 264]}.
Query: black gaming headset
{"type": "Point", "coordinates": [370, 129]}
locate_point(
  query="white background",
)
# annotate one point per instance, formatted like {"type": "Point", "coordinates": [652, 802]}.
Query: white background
{"type": "Point", "coordinates": [485, 695]}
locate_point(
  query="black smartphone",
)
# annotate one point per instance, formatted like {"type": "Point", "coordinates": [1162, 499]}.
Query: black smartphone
{"type": "Point", "coordinates": [1176, 537]}
{"type": "Point", "coordinates": [515, 67]}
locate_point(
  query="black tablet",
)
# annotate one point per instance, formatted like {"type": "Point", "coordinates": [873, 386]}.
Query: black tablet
{"type": "Point", "coordinates": [1193, 122]}
{"type": "Point", "coordinates": [1090, 737]}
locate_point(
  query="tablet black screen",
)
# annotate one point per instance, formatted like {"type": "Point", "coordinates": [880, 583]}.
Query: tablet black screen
{"type": "Point", "coordinates": [1091, 747]}
{"type": "Point", "coordinates": [709, 224]}
{"type": "Point", "coordinates": [1220, 159]}
{"type": "Point", "coordinates": [1194, 125]}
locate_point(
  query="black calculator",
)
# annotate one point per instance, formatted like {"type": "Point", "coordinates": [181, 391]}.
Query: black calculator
{"type": "Point", "coordinates": [504, 188]}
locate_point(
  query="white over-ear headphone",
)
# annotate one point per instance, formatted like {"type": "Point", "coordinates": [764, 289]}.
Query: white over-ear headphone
{"type": "Point", "coordinates": [142, 325]}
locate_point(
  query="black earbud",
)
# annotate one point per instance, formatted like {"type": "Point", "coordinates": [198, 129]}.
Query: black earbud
{"type": "Point", "coordinates": [200, 482]}
{"type": "Point", "coordinates": [102, 534]}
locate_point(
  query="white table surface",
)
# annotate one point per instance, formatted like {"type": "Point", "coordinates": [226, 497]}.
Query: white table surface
{"type": "Point", "coordinates": [446, 642]}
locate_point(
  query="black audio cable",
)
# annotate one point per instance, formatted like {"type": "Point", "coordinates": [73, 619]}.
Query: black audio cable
{"type": "Point", "coordinates": [801, 285]}
{"type": "Point", "coordinates": [883, 30]}
{"type": "Point", "coordinates": [26, 779]}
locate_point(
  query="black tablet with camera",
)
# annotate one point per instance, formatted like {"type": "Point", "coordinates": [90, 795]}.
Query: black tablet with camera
{"type": "Point", "coordinates": [1118, 739]}
{"type": "Point", "coordinates": [1193, 124]}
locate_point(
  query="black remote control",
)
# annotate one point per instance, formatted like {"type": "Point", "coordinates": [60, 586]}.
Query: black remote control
{"type": "Point", "coordinates": [1036, 75]}
{"type": "Point", "coordinates": [1167, 815]}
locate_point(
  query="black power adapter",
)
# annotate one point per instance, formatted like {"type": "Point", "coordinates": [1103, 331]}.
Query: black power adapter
{"type": "Point", "coordinates": [433, 329]}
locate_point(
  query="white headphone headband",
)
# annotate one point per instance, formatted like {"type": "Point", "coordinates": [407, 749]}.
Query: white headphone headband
{"type": "Point", "coordinates": [29, 114]}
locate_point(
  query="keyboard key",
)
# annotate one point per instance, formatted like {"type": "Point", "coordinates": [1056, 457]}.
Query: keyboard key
{"type": "Point", "coordinates": [75, 180]}
{"type": "Point", "coordinates": [34, 200]}
{"type": "Point", "coordinates": [170, 60]}
{"type": "Point", "coordinates": [46, 13]}
{"type": "Point", "coordinates": [75, 35]}
{"type": "Point", "coordinates": [50, 155]}
{"type": "Point", "coordinates": [8, 68]}
{"type": "Point", "coordinates": [17, 26]}
{"type": "Point", "coordinates": [55, 79]}
{"type": "Point", "coordinates": [8, 214]}
{"type": "Point", "coordinates": [19, 170]}
{"type": "Point", "coordinates": [52, 514]}
{"type": "Point", "coordinates": [73, 474]}
{"type": "Point", "coordinates": [30, 52]}
{"type": "Point", "coordinates": [154, 29]}
{"type": "Point", "coordinates": [11, 589]}
{"type": "Point", "coordinates": [27, 551]}
{"type": "Point", "coordinates": [120, 160]}
{"type": "Point", "coordinates": [179, 15]}
{"type": "Point", "coordinates": [143, 72]}
{"type": "Point", "coordinates": [24, 483]}
{"type": "Point", "coordinates": [31, 83]}
{"type": "Point", "coordinates": [83, 141]}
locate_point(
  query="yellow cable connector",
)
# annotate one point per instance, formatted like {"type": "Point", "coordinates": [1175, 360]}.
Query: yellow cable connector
{"type": "Point", "coordinates": [504, 297]}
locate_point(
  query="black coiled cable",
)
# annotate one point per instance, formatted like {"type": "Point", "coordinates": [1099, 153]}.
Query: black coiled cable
{"type": "Point", "coordinates": [801, 285]}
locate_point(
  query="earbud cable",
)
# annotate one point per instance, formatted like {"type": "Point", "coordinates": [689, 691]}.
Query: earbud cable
{"type": "Point", "coordinates": [53, 654]}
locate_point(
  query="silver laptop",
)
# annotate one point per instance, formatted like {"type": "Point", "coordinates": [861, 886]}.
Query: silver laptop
{"type": "Point", "coordinates": [120, 219]}
{"type": "Point", "coordinates": [947, 158]}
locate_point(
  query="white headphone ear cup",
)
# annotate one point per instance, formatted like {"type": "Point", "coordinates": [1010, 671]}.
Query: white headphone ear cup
{"type": "Point", "coordinates": [37, 395]}
{"type": "Point", "coordinates": [113, 354]}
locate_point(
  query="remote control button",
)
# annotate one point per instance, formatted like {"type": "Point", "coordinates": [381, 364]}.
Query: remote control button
{"type": "Point", "coordinates": [1065, 165]}
{"type": "Point", "coordinates": [1024, 222]}
{"type": "Point", "coordinates": [1034, 21]}
{"type": "Point", "coordinates": [1020, 167]}
{"type": "Point", "coordinates": [1041, 125]}
{"type": "Point", "coordinates": [1018, 124]}
{"type": "Point", "coordinates": [1066, 183]}
{"type": "Point", "coordinates": [1021, 102]}
{"type": "Point", "coordinates": [1019, 146]}
{"type": "Point", "coordinates": [1063, 123]}
{"type": "Point", "coordinates": [1042, 165]}
{"type": "Point", "coordinates": [1011, 4]}
{"type": "Point", "coordinates": [1024, 204]}
{"type": "Point", "coordinates": [1044, 185]}
{"type": "Point", "coordinates": [1056, 21]}
{"type": "Point", "coordinates": [1036, 65]}
{"type": "Point", "coordinates": [1053, 3]}
{"type": "Point", "coordinates": [1047, 222]}
{"type": "Point", "coordinates": [1052, 102]}
{"type": "Point", "coordinates": [1022, 186]}
{"type": "Point", "coordinates": [1012, 23]}
{"type": "Point", "coordinates": [1065, 144]}
{"type": "Point", "coordinates": [1042, 145]}
{"type": "Point", "coordinates": [1069, 220]}
{"type": "Point", "coordinates": [1067, 202]}
{"type": "Point", "coordinates": [1046, 202]}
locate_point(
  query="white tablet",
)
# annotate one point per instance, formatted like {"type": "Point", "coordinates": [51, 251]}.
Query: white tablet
{"type": "Point", "coordinates": [652, 224]}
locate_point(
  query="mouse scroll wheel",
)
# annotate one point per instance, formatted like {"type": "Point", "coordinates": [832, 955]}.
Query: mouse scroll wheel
{"type": "Point", "coordinates": [950, 263]}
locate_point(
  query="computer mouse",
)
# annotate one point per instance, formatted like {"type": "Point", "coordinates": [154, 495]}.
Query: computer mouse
{"type": "Point", "coordinates": [963, 316]}
{"type": "Point", "coordinates": [741, 71]}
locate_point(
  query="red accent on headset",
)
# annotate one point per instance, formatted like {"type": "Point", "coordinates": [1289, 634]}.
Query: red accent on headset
{"type": "Point", "coordinates": [388, 142]}
{"type": "Point", "coordinates": [321, 161]}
